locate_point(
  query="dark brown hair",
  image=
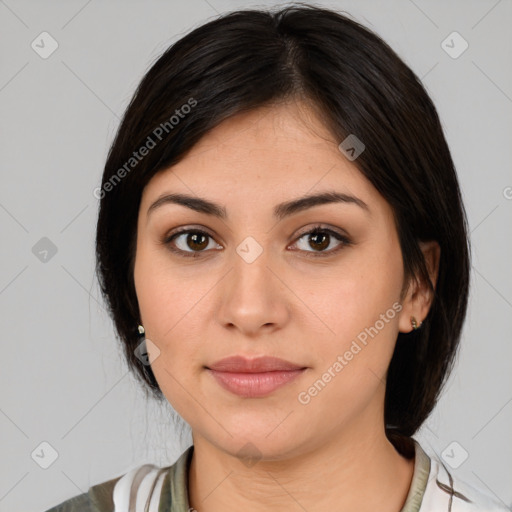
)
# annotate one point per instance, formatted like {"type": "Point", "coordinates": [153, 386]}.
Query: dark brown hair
{"type": "Point", "coordinates": [358, 85]}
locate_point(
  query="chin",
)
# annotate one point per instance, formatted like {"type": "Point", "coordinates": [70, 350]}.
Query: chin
{"type": "Point", "coordinates": [255, 444]}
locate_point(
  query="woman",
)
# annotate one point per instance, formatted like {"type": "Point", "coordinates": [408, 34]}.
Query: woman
{"type": "Point", "coordinates": [283, 247]}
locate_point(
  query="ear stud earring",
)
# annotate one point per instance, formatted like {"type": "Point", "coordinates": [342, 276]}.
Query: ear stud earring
{"type": "Point", "coordinates": [415, 324]}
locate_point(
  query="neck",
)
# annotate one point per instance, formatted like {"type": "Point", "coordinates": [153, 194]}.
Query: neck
{"type": "Point", "coordinates": [356, 470]}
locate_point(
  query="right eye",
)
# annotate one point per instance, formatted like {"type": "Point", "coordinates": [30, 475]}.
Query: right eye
{"type": "Point", "coordinates": [189, 242]}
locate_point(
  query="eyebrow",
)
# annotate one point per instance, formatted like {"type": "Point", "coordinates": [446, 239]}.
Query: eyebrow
{"type": "Point", "coordinates": [281, 211]}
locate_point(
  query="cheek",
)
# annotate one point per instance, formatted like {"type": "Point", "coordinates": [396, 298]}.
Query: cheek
{"type": "Point", "coordinates": [351, 369]}
{"type": "Point", "coordinates": [360, 306]}
{"type": "Point", "coordinates": [173, 306]}
{"type": "Point", "coordinates": [164, 293]}
{"type": "Point", "coordinates": [353, 298]}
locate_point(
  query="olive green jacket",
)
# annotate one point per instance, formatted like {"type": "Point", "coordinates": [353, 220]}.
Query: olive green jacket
{"type": "Point", "coordinates": [433, 489]}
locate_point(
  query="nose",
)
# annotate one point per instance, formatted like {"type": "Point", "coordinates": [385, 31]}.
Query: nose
{"type": "Point", "coordinates": [253, 299]}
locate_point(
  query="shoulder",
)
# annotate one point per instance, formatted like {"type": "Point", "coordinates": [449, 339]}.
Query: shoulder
{"type": "Point", "coordinates": [99, 498]}
{"type": "Point", "coordinates": [445, 492]}
{"type": "Point", "coordinates": [112, 494]}
{"type": "Point", "coordinates": [144, 485]}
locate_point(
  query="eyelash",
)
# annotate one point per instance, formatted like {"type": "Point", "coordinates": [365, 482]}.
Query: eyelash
{"type": "Point", "coordinates": [312, 254]}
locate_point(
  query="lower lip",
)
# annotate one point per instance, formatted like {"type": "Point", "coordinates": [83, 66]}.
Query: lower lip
{"type": "Point", "coordinates": [253, 385]}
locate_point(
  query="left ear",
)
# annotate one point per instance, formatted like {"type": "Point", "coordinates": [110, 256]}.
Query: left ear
{"type": "Point", "coordinates": [419, 296]}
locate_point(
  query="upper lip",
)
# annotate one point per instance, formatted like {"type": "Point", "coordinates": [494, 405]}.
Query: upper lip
{"type": "Point", "coordinates": [240, 364]}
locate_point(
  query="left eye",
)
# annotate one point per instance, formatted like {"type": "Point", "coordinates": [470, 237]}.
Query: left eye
{"type": "Point", "coordinates": [320, 239]}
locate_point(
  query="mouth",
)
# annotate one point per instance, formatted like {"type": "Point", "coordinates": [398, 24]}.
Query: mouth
{"type": "Point", "coordinates": [253, 378]}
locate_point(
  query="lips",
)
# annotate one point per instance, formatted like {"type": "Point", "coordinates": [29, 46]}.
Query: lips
{"type": "Point", "coordinates": [252, 378]}
{"type": "Point", "coordinates": [239, 364]}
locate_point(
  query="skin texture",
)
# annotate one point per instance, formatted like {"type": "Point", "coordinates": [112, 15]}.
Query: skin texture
{"type": "Point", "coordinates": [331, 452]}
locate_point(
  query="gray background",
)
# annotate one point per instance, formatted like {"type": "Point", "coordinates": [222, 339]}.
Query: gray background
{"type": "Point", "coordinates": [62, 377]}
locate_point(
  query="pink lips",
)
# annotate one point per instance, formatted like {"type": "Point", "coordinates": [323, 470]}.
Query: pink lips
{"type": "Point", "coordinates": [253, 378]}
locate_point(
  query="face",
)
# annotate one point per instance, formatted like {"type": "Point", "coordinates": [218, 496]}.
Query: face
{"type": "Point", "coordinates": [259, 281]}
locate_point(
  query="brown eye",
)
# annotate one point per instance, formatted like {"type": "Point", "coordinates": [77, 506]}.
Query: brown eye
{"type": "Point", "coordinates": [196, 241]}
{"type": "Point", "coordinates": [319, 239]}
{"type": "Point", "coordinates": [189, 242]}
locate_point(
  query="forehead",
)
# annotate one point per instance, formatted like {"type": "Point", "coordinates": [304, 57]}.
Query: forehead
{"type": "Point", "coordinates": [278, 151]}
{"type": "Point", "coordinates": [281, 134]}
